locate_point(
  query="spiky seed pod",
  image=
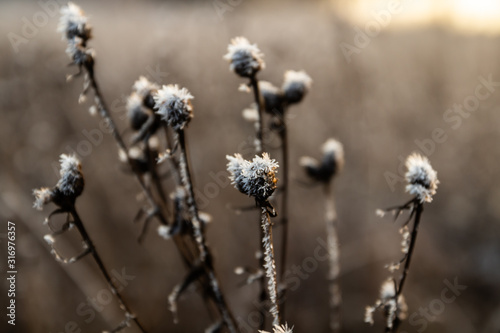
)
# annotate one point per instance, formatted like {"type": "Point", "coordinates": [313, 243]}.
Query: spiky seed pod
{"type": "Point", "coordinates": [331, 164]}
{"type": "Point", "coordinates": [174, 105]}
{"type": "Point", "coordinates": [245, 59]}
{"type": "Point", "coordinates": [421, 177]}
{"type": "Point", "coordinates": [68, 188]}
{"type": "Point", "coordinates": [295, 86]}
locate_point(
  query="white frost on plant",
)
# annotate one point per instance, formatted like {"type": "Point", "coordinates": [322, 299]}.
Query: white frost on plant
{"type": "Point", "coordinates": [174, 105]}
{"type": "Point", "coordinates": [245, 59]}
{"type": "Point", "coordinates": [295, 85]}
{"type": "Point", "coordinates": [280, 329]}
{"type": "Point", "coordinates": [421, 177]}
{"type": "Point", "coordinates": [255, 178]}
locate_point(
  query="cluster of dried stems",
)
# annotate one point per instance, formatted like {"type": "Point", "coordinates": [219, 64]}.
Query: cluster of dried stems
{"type": "Point", "coordinates": [159, 117]}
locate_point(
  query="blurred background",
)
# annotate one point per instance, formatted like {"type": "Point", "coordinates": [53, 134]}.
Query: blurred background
{"type": "Point", "coordinates": [390, 78]}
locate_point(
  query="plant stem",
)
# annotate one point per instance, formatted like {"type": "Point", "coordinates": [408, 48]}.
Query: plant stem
{"type": "Point", "coordinates": [419, 207]}
{"type": "Point", "coordinates": [270, 265]}
{"type": "Point", "coordinates": [259, 148]}
{"type": "Point", "coordinates": [259, 142]}
{"type": "Point", "coordinates": [283, 132]}
{"type": "Point", "coordinates": [205, 255]}
{"type": "Point", "coordinates": [335, 301]}
{"type": "Point", "coordinates": [86, 238]}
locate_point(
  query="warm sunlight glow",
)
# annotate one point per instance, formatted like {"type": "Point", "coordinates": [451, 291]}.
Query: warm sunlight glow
{"type": "Point", "coordinates": [470, 16]}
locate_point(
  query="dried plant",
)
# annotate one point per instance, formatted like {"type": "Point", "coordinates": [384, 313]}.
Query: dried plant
{"type": "Point", "coordinates": [422, 182]}
{"type": "Point", "coordinates": [257, 178]}
{"type": "Point", "coordinates": [324, 173]}
{"type": "Point", "coordinates": [64, 194]}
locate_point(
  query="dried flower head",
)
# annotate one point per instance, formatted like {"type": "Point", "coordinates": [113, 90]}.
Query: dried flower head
{"type": "Point", "coordinates": [71, 181]}
{"type": "Point", "coordinates": [68, 188]}
{"type": "Point", "coordinates": [245, 58]}
{"type": "Point", "coordinates": [295, 86]}
{"type": "Point", "coordinates": [273, 97]}
{"type": "Point", "coordinates": [421, 177]}
{"type": "Point", "coordinates": [136, 112]}
{"type": "Point", "coordinates": [174, 105]}
{"type": "Point", "coordinates": [145, 89]}
{"type": "Point", "coordinates": [331, 164]}
{"type": "Point", "coordinates": [73, 23]}
{"type": "Point", "coordinates": [256, 178]}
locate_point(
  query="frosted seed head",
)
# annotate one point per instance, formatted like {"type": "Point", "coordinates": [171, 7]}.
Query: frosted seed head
{"type": "Point", "coordinates": [73, 23]}
{"type": "Point", "coordinates": [174, 105]}
{"type": "Point", "coordinates": [331, 164]}
{"type": "Point", "coordinates": [245, 59]}
{"type": "Point", "coordinates": [71, 182]}
{"type": "Point", "coordinates": [256, 178]}
{"type": "Point", "coordinates": [295, 86]}
{"type": "Point", "coordinates": [136, 112]}
{"type": "Point", "coordinates": [273, 97]}
{"type": "Point", "coordinates": [421, 177]}
{"type": "Point", "coordinates": [145, 89]}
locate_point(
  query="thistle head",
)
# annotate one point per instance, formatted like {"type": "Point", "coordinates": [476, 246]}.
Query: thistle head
{"type": "Point", "coordinates": [174, 105]}
{"type": "Point", "coordinates": [73, 23]}
{"type": "Point", "coordinates": [331, 163]}
{"type": "Point", "coordinates": [273, 97]}
{"type": "Point", "coordinates": [245, 59]}
{"type": "Point", "coordinates": [68, 188]}
{"type": "Point", "coordinates": [295, 86]}
{"type": "Point", "coordinates": [145, 89]}
{"type": "Point", "coordinates": [256, 178]}
{"type": "Point", "coordinates": [136, 112]}
{"type": "Point", "coordinates": [421, 177]}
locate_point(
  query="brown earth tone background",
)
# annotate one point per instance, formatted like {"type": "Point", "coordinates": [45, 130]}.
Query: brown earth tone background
{"type": "Point", "coordinates": [394, 92]}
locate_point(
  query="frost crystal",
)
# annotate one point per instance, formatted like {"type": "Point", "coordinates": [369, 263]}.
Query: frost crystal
{"type": "Point", "coordinates": [421, 177]}
{"type": "Point", "coordinates": [245, 58]}
{"type": "Point", "coordinates": [174, 105]}
{"type": "Point", "coordinates": [143, 87]}
{"type": "Point", "coordinates": [255, 178]}
{"type": "Point", "coordinates": [295, 86]}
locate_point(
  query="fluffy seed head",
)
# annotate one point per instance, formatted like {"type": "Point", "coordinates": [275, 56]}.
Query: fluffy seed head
{"type": "Point", "coordinates": [245, 58]}
{"type": "Point", "coordinates": [256, 178]}
{"type": "Point", "coordinates": [136, 112]}
{"type": "Point", "coordinates": [68, 188]}
{"type": "Point", "coordinates": [73, 23]}
{"type": "Point", "coordinates": [145, 89]}
{"type": "Point", "coordinates": [71, 182]}
{"type": "Point", "coordinates": [273, 97]}
{"type": "Point", "coordinates": [295, 86]}
{"type": "Point", "coordinates": [331, 164]}
{"type": "Point", "coordinates": [174, 105]}
{"type": "Point", "coordinates": [421, 177]}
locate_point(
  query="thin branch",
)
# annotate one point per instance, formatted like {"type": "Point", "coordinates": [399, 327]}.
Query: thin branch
{"type": "Point", "coordinates": [86, 238]}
